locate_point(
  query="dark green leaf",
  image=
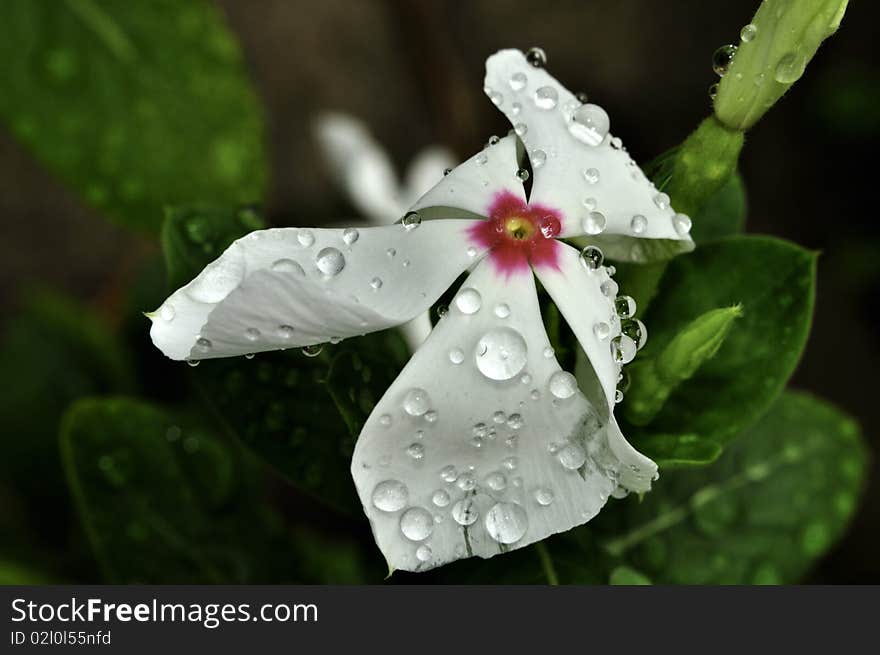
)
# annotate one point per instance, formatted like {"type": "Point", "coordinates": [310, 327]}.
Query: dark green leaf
{"type": "Point", "coordinates": [134, 104]}
{"type": "Point", "coordinates": [774, 282]}
{"type": "Point", "coordinates": [723, 214]}
{"type": "Point", "coordinates": [624, 575]}
{"type": "Point", "coordinates": [677, 450]}
{"type": "Point", "coordinates": [777, 499]}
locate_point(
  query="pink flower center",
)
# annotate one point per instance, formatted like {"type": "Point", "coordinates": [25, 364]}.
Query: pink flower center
{"type": "Point", "coordinates": [518, 234]}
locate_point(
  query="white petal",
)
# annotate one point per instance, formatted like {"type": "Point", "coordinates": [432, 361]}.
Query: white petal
{"type": "Point", "coordinates": [564, 166]}
{"type": "Point", "coordinates": [279, 288]}
{"type": "Point", "coordinates": [578, 295]}
{"type": "Point", "coordinates": [436, 484]}
{"type": "Point", "coordinates": [472, 185]}
{"type": "Point", "coordinates": [361, 167]}
{"type": "Point", "coordinates": [425, 171]}
{"type": "Point", "coordinates": [416, 331]}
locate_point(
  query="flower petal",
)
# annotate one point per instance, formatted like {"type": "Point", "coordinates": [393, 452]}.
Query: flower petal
{"type": "Point", "coordinates": [580, 170]}
{"type": "Point", "coordinates": [425, 171]}
{"type": "Point", "coordinates": [472, 185]}
{"type": "Point", "coordinates": [360, 166]}
{"type": "Point", "coordinates": [279, 288]}
{"type": "Point", "coordinates": [577, 292]}
{"type": "Point", "coordinates": [483, 444]}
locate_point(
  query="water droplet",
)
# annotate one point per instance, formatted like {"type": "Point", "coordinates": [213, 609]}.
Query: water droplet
{"type": "Point", "coordinates": [499, 417]}
{"type": "Point", "coordinates": [538, 158]}
{"type": "Point", "coordinates": [521, 129]}
{"type": "Point", "coordinates": [635, 330]}
{"type": "Point", "coordinates": [415, 450]}
{"type": "Point", "coordinates": [287, 266]}
{"type": "Point", "coordinates": [502, 310]}
{"type": "Point", "coordinates": [448, 473]}
{"type": "Point", "coordinates": [721, 59]}
{"type": "Point", "coordinates": [571, 456]}
{"type": "Point", "coordinates": [390, 495]}
{"type": "Point", "coordinates": [312, 351]}
{"type": "Point", "coordinates": [252, 334]}
{"type": "Point", "coordinates": [416, 524]}
{"type": "Point", "coordinates": [618, 396]}
{"type": "Point", "coordinates": [536, 57]}
{"type": "Point", "coordinates": [411, 220]}
{"type": "Point", "coordinates": [617, 143]}
{"type": "Point", "coordinates": [468, 301]}
{"type": "Point", "coordinates": [638, 224]}
{"type": "Point", "coordinates": [446, 171]}
{"type": "Point", "coordinates": [330, 261]}
{"type": "Point", "coordinates": [440, 498]}
{"type": "Point", "coordinates": [510, 463]}
{"type": "Point", "coordinates": [589, 124]}
{"type": "Point", "coordinates": [522, 175]}
{"type": "Point", "coordinates": [713, 91]}
{"type": "Point", "coordinates": [748, 32]}
{"type": "Point", "coordinates": [496, 481]}
{"type": "Point", "coordinates": [790, 68]}
{"type": "Point", "coordinates": [625, 306]}
{"type": "Point", "coordinates": [424, 553]}
{"type": "Point", "coordinates": [465, 512]}
{"type": "Point", "coordinates": [203, 345]}
{"type": "Point", "coordinates": [385, 420]}
{"type": "Point", "coordinates": [501, 354]}
{"type": "Point", "coordinates": [518, 81]}
{"type": "Point", "coordinates": [601, 330]}
{"type": "Point", "coordinates": [563, 384]}
{"type": "Point", "coordinates": [515, 421]}
{"type": "Point", "coordinates": [506, 523]}
{"type": "Point", "coordinates": [305, 238]}
{"type": "Point", "coordinates": [682, 224]}
{"type": "Point", "coordinates": [496, 98]}
{"type": "Point", "coordinates": [594, 223]}
{"type": "Point", "coordinates": [471, 252]}
{"type": "Point", "coordinates": [192, 362]}
{"type": "Point", "coordinates": [590, 203]}
{"type": "Point", "coordinates": [591, 258]}
{"type": "Point", "coordinates": [591, 175]}
{"type": "Point", "coordinates": [546, 97]}
{"type": "Point", "coordinates": [456, 355]}
{"type": "Point", "coordinates": [481, 159]}
{"type": "Point", "coordinates": [548, 352]}
{"type": "Point", "coordinates": [466, 482]}
{"type": "Point", "coordinates": [609, 288]}
{"type": "Point", "coordinates": [416, 402]}
{"type": "Point", "coordinates": [515, 108]}
{"type": "Point", "coordinates": [623, 349]}
{"type": "Point", "coordinates": [431, 416]}
{"type": "Point", "coordinates": [376, 283]}
{"type": "Point", "coordinates": [350, 235]}
{"type": "Point", "coordinates": [543, 496]}
{"type": "Point", "coordinates": [391, 252]}
{"type": "Point", "coordinates": [661, 200]}
{"type": "Point", "coordinates": [442, 310]}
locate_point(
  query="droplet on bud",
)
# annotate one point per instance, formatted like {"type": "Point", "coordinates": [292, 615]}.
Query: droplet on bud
{"type": "Point", "coordinates": [536, 57]}
{"type": "Point", "coordinates": [721, 59]}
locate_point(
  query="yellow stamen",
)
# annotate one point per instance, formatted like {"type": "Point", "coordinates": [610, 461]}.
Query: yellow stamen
{"type": "Point", "coordinates": [519, 228]}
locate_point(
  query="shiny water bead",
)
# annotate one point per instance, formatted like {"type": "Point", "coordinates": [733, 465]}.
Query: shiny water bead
{"type": "Point", "coordinates": [493, 140]}
{"type": "Point", "coordinates": [424, 553]}
{"type": "Point", "coordinates": [411, 220]}
{"type": "Point", "coordinates": [203, 345]}
{"type": "Point", "coordinates": [502, 310]}
{"type": "Point", "coordinates": [790, 68]}
{"type": "Point", "coordinates": [518, 81]}
{"type": "Point", "coordinates": [416, 524]}
{"type": "Point", "coordinates": [376, 283]}
{"type": "Point", "coordinates": [312, 351]}
{"type": "Point", "coordinates": [506, 523]}
{"type": "Point", "coordinates": [496, 98]}
{"type": "Point", "coordinates": [623, 349]}
{"type": "Point", "coordinates": [721, 59]}
{"type": "Point", "coordinates": [563, 384]}
{"type": "Point", "coordinates": [250, 356]}
{"type": "Point", "coordinates": [635, 330]}
{"type": "Point", "coordinates": [713, 91]}
{"type": "Point", "coordinates": [431, 416]}
{"type": "Point", "coordinates": [440, 498]}
{"type": "Point", "coordinates": [385, 420]}
{"type": "Point", "coordinates": [538, 158]}
{"type": "Point", "coordinates": [391, 252]}
{"type": "Point", "coordinates": [287, 266]}
{"type": "Point", "coordinates": [601, 330]}
{"type": "Point", "coordinates": [501, 354]}
{"type": "Point", "coordinates": [521, 129]}
{"type": "Point", "coordinates": [330, 261]}
{"type": "Point", "coordinates": [543, 496]}
{"type": "Point", "coordinates": [469, 301]}
{"type": "Point", "coordinates": [446, 171]}
{"type": "Point", "coordinates": [591, 258]}
{"type": "Point", "coordinates": [625, 306]}
{"type": "Point", "coordinates": [465, 512]}
{"type": "Point", "coordinates": [590, 203]}
{"type": "Point", "coordinates": [748, 33]}
{"type": "Point", "coordinates": [448, 473]}
{"type": "Point", "coordinates": [390, 496]}
{"type": "Point", "coordinates": [442, 310]}
{"type": "Point", "coordinates": [581, 97]}
{"type": "Point", "coordinates": [510, 463]}
{"type": "Point", "coordinates": [416, 402]}
{"type": "Point", "coordinates": [456, 355]}
{"type": "Point", "coordinates": [589, 124]}
{"type": "Point", "coordinates": [546, 97]}
{"type": "Point", "coordinates": [618, 396]}
{"type": "Point", "coordinates": [522, 174]}
{"type": "Point", "coordinates": [496, 481]}
{"type": "Point", "coordinates": [609, 288]}
{"type": "Point", "coordinates": [305, 238]}
{"type": "Point", "coordinates": [415, 450]}
{"type": "Point", "coordinates": [252, 334]}
{"type": "Point", "coordinates": [192, 362]}
{"type": "Point", "coordinates": [661, 200]}
{"type": "Point", "coordinates": [466, 482]}
{"type": "Point", "coordinates": [638, 224]}
{"type": "Point", "coordinates": [594, 223]}
{"type": "Point", "coordinates": [591, 175]}
{"type": "Point", "coordinates": [536, 57]}
{"type": "Point", "coordinates": [350, 235]}
{"type": "Point", "coordinates": [482, 159]}
{"type": "Point", "coordinates": [285, 331]}
{"type": "Point", "coordinates": [515, 421]}
{"type": "Point", "coordinates": [515, 108]}
{"type": "Point", "coordinates": [571, 456]}
{"type": "Point", "coordinates": [682, 224]}
{"type": "Point", "coordinates": [617, 144]}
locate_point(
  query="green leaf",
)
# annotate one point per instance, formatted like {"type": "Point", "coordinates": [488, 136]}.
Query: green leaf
{"type": "Point", "coordinates": [13, 573]}
{"type": "Point", "coordinates": [658, 372]}
{"type": "Point", "coordinates": [723, 214]}
{"type": "Point", "coordinates": [787, 35]}
{"type": "Point", "coordinates": [677, 450]}
{"type": "Point", "coordinates": [55, 351]}
{"type": "Point", "coordinates": [774, 503]}
{"type": "Point", "coordinates": [624, 575]}
{"type": "Point", "coordinates": [774, 282]}
{"type": "Point", "coordinates": [135, 105]}
{"type": "Point", "coordinates": [164, 501]}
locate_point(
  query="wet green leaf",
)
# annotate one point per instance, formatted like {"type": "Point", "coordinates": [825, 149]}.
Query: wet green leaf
{"type": "Point", "coordinates": [133, 104]}
{"type": "Point", "coordinates": [775, 502]}
{"type": "Point", "coordinates": [774, 282]}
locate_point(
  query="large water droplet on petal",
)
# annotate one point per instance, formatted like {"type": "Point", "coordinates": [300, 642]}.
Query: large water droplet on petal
{"type": "Point", "coordinates": [350, 235]}
{"type": "Point", "coordinates": [623, 349]}
{"type": "Point", "coordinates": [468, 301]}
{"type": "Point", "coordinates": [390, 495]}
{"type": "Point", "coordinates": [589, 124]}
{"type": "Point", "coordinates": [416, 524]}
{"type": "Point", "coordinates": [563, 384]}
{"type": "Point", "coordinates": [464, 512]}
{"type": "Point", "coordinates": [594, 223]}
{"type": "Point", "coordinates": [287, 266]}
{"type": "Point", "coordinates": [330, 261]}
{"type": "Point", "coordinates": [506, 523]}
{"type": "Point", "coordinates": [546, 97]}
{"type": "Point", "coordinates": [416, 402]}
{"type": "Point", "coordinates": [501, 353]}
{"type": "Point", "coordinates": [543, 496]}
{"type": "Point", "coordinates": [518, 81]}
{"type": "Point", "coordinates": [572, 456]}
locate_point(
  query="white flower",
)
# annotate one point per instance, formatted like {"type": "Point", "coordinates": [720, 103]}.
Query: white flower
{"type": "Point", "coordinates": [362, 168]}
{"type": "Point", "coordinates": [482, 444]}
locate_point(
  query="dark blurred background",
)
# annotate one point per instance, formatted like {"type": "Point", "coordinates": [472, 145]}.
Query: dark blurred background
{"type": "Point", "coordinates": [412, 70]}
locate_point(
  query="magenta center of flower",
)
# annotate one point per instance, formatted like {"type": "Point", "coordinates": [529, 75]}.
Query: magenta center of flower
{"type": "Point", "coordinates": [518, 234]}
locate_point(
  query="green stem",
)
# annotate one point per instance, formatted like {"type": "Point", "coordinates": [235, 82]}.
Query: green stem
{"type": "Point", "coordinates": [547, 564]}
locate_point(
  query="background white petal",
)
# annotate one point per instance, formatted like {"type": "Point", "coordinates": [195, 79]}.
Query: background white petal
{"type": "Point", "coordinates": [360, 166]}
{"type": "Point", "coordinates": [288, 287]}
{"type": "Point", "coordinates": [483, 444]}
{"type": "Point", "coordinates": [471, 186]}
{"type": "Point", "coordinates": [424, 171]}
{"type": "Point", "coordinates": [581, 170]}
